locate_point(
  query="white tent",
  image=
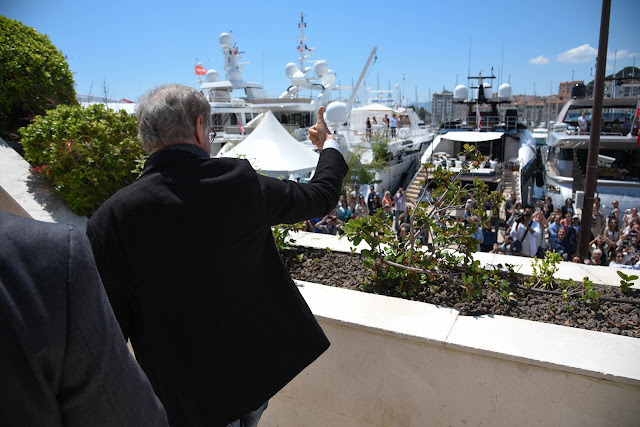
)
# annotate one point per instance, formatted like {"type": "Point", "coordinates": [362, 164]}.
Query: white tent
{"type": "Point", "coordinates": [273, 151]}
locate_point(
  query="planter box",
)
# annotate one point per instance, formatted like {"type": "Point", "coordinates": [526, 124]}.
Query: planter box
{"type": "Point", "coordinates": [395, 362]}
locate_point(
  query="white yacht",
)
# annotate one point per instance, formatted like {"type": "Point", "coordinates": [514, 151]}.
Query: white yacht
{"type": "Point", "coordinates": [565, 156]}
{"type": "Point", "coordinates": [507, 144]}
{"type": "Point", "coordinates": [237, 105]}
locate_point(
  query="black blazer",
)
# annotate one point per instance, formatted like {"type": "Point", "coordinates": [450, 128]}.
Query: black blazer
{"type": "Point", "coordinates": [62, 357]}
{"type": "Point", "coordinates": [188, 260]}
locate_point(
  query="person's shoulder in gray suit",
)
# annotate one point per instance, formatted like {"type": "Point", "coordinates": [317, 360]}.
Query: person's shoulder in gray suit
{"type": "Point", "coordinates": [63, 359]}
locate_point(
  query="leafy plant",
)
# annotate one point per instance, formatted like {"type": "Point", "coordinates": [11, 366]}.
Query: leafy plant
{"type": "Point", "coordinates": [34, 74]}
{"type": "Point", "coordinates": [87, 153]}
{"type": "Point", "coordinates": [425, 261]}
{"type": "Point", "coordinates": [591, 295]}
{"type": "Point", "coordinates": [281, 236]}
{"type": "Point", "coordinates": [626, 281]}
{"type": "Point", "coordinates": [544, 271]}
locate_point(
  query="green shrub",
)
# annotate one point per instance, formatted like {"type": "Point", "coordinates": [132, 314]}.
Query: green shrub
{"type": "Point", "coordinates": [34, 76]}
{"type": "Point", "coordinates": [86, 153]}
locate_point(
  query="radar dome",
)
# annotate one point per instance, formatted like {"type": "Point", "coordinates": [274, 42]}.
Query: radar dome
{"type": "Point", "coordinates": [504, 91]}
{"type": "Point", "coordinates": [212, 76]}
{"type": "Point", "coordinates": [235, 74]}
{"type": "Point", "coordinates": [460, 93]}
{"type": "Point", "coordinates": [320, 68]}
{"type": "Point", "coordinates": [336, 112]}
{"type": "Point", "coordinates": [290, 69]}
{"type": "Point", "coordinates": [488, 90]}
{"type": "Point", "coordinates": [329, 78]}
{"type": "Point", "coordinates": [225, 39]}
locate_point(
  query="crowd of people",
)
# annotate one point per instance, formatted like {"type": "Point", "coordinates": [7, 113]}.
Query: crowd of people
{"type": "Point", "coordinates": [536, 230]}
{"type": "Point", "coordinates": [529, 230]}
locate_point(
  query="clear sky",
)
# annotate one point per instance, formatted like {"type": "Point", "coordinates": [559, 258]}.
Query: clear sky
{"type": "Point", "coordinates": [136, 45]}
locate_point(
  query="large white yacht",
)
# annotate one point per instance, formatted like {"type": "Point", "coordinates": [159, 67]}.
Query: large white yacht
{"type": "Point", "coordinates": [237, 105]}
{"type": "Point", "coordinates": [506, 143]}
{"type": "Point", "coordinates": [565, 156]}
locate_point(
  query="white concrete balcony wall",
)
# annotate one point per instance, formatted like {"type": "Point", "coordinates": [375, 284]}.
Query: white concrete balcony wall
{"type": "Point", "coordinates": [402, 363]}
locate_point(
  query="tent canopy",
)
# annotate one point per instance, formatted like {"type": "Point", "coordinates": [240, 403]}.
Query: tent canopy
{"type": "Point", "coordinates": [271, 149]}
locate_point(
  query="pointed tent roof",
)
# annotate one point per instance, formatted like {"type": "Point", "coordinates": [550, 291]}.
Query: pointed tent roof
{"type": "Point", "coordinates": [271, 149]}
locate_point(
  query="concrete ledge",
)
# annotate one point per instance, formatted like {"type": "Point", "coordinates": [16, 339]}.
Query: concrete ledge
{"type": "Point", "coordinates": [395, 362]}
{"type": "Point", "coordinates": [27, 194]}
{"type": "Point", "coordinates": [404, 363]}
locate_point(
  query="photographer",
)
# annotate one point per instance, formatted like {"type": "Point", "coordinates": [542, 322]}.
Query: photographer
{"type": "Point", "coordinates": [526, 231]}
{"type": "Point", "coordinates": [330, 224]}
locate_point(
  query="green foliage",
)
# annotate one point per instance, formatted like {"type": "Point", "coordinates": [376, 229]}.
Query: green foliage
{"type": "Point", "coordinates": [590, 296]}
{"type": "Point", "coordinates": [544, 270]}
{"type": "Point", "coordinates": [626, 281]}
{"type": "Point", "coordinates": [86, 153]}
{"type": "Point", "coordinates": [380, 149]}
{"type": "Point", "coordinates": [34, 76]}
{"type": "Point", "coordinates": [281, 233]}
{"type": "Point", "coordinates": [411, 267]}
{"type": "Point", "coordinates": [358, 172]}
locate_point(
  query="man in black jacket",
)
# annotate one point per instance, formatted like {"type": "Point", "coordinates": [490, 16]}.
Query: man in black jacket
{"type": "Point", "coordinates": [212, 313]}
{"type": "Point", "coordinates": [62, 358]}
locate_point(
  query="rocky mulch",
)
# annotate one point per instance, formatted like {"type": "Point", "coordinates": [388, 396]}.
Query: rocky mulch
{"type": "Point", "coordinates": [346, 271]}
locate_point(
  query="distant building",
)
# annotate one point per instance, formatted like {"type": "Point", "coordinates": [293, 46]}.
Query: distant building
{"type": "Point", "coordinates": [444, 109]}
{"type": "Point", "coordinates": [564, 90]}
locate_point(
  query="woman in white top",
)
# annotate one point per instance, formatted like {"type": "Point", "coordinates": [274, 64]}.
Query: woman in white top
{"type": "Point", "coordinates": [361, 208]}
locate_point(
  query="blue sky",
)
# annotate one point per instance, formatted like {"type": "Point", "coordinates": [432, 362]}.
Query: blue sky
{"type": "Point", "coordinates": [136, 45]}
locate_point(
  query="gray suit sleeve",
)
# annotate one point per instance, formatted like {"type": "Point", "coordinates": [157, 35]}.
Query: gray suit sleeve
{"type": "Point", "coordinates": [102, 384]}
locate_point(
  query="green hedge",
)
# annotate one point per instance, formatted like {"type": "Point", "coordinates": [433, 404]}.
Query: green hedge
{"type": "Point", "coordinates": [86, 153]}
{"type": "Point", "coordinates": [34, 76]}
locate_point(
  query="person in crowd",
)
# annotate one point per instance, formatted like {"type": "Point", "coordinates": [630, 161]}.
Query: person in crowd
{"type": "Point", "coordinates": [567, 220]}
{"type": "Point", "coordinates": [393, 124]}
{"type": "Point", "coordinates": [562, 245]}
{"type": "Point", "coordinates": [470, 205]}
{"type": "Point", "coordinates": [477, 232]}
{"type": "Point", "coordinates": [615, 214]}
{"type": "Point", "coordinates": [631, 229]}
{"type": "Point", "coordinates": [597, 258]}
{"type": "Point", "coordinates": [553, 229]}
{"type": "Point", "coordinates": [619, 261]}
{"type": "Point", "coordinates": [400, 200]}
{"type": "Point", "coordinates": [517, 210]}
{"type": "Point", "coordinates": [216, 338]}
{"type": "Point", "coordinates": [526, 231]}
{"type": "Point", "coordinates": [375, 204]}
{"type": "Point", "coordinates": [504, 248]}
{"type": "Point", "coordinates": [509, 206]}
{"type": "Point", "coordinates": [344, 211]}
{"type": "Point", "coordinates": [362, 208]}
{"type": "Point", "coordinates": [385, 125]}
{"type": "Point", "coordinates": [576, 259]}
{"type": "Point", "coordinates": [374, 121]}
{"type": "Point", "coordinates": [538, 216]}
{"type": "Point", "coordinates": [547, 207]}
{"type": "Point", "coordinates": [582, 124]}
{"type": "Point", "coordinates": [367, 135]}
{"type": "Point", "coordinates": [386, 200]}
{"type": "Point", "coordinates": [614, 204]}
{"type": "Point", "coordinates": [599, 243]}
{"type": "Point", "coordinates": [572, 231]}
{"type": "Point", "coordinates": [372, 194]}
{"type": "Point", "coordinates": [403, 232]}
{"type": "Point", "coordinates": [329, 225]}
{"type": "Point", "coordinates": [352, 203]}
{"type": "Point", "coordinates": [612, 234]}
{"type": "Point", "coordinates": [308, 226]}
{"type": "Point", "coordinates": [568, 208]}
{"type": "Point", "coordinates": [629, 215]}
{"type": "Point", "coordinates": [626, 126]}
{"type": "Point", "coordinates": [597, 221]}
{"type": "Point", "coordinates": [63, 359]}
{"type": "Point", "coordinates": [601, 208]}
{"type": "Point", "coordinates": [356, 193]}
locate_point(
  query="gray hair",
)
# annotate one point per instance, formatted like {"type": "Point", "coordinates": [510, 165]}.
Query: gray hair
{"type": "Point", "coordinates": [167, 115]}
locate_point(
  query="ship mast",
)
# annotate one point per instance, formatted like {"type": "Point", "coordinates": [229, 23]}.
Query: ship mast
{"type": "Point", "coordinates": [302, 47]}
